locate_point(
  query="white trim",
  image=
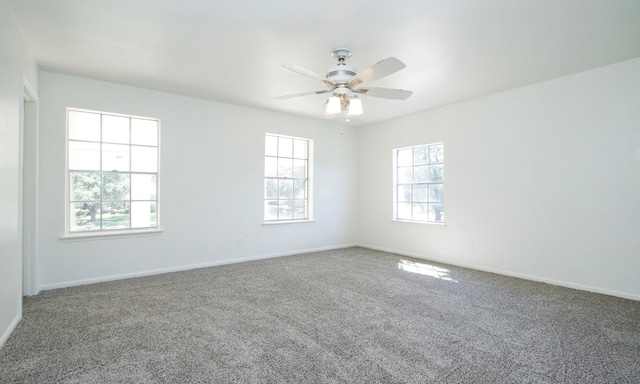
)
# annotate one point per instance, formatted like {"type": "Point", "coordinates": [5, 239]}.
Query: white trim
{"type": "Point", "coordinates": [112, 114]}
{"type": "Point", "coordinates": [286, 222]}
{"type": "Point", "coordinates": [10, 329]}
{"type": "Point", "coordinates": [187, 267]}
{"type": "Point", "coordinates": [29, 117]}
{"type": "Point", "coordinates": [439, 224]}
{"type": "Point", "coordinates": [561, 283]}
{"type": "Point", "coordinates": [115, 234]}
{"type": "Point", "coordinates": [418, 146]}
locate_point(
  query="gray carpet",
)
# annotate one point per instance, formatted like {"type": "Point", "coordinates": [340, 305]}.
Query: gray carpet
{"type": "Point", "coordinates": [345, 316]}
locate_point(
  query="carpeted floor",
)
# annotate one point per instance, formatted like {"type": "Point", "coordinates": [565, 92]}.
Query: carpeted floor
{"type": "Point", "coordinates": [345, 316]}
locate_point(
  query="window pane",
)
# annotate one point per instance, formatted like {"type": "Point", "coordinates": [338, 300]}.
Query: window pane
{"type": "Point", "coordinates": [271, 209]}
{"type": "Point", "coordinates": [405, 175]}
{"type": "Point", "coordinates": [404, 211]}
{"type": "Point", "coordinates": [420, 212]}
{"type": "Point", "coordinates": [143, 214]}
{"type": "Point", "coordinates": [154, 213]}
{"type": "Point", "coordinates": [271, 188]}
{"type": "Point", "coordinates": [115, 186]}
{"type": "Point", "coordinates": [436, 153]}
{"type": "Point", "coordinates": [300, 169]}
{"type": "Point", "coordinates": [437, 172]}
{"type": "Point", "coordinates": [271, 167]}
{"type": "Point", "coordinates": [285, 167]}
{"type": "Point", "coordinates": [300, 209]}
{"type": "Point", "coordinates": [85, 186]}
{"type": "Point", "coordinates": [300, 149]}
{"type": "Point", "coordinates": [420, 193]}
{"type": "Point", "coordinates": [436, 193]}
{"type": "Point", "coordinates": [271, 146]}
{"type": "Point", "coordinates": [84, 126]}
{"type": "Point", "coordinates": [84, 156]}
{"type": "Point", "coordinates": [421, 174]}
{"type": "Point", "coordinates": [115, 129]}
{"type": "Point", "coordinates": [144, 159]}
{"type": "Point", "coordinates": [285, 188]}
{"type": "Point", "coordinates": [285, 147]}
{"type": "Point", "coordinates": [144, 132]}
{"type": "Point", "coordinates": [115, 215]}
{"type": "Point", "coordinates": [115, 157]}
{"type": "Point", "coordinates": [285, 209]}
{"type": "Point", "coordinates": [404, 192]}
{"type": "Point", "coordinates": [299, 190]}
{"type": "Point", "coordinates": [143, 187]}
{"type": "Point", "coordinates": [436, 212]}
{"type": "Point", "coordinates": [84, 216]}
{"type": "Point", "coordinates": [405, 157]}
{"type": "Point", "coordinates": [420, 155]}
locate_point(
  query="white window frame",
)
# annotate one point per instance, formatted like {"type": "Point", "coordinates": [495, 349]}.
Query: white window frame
{"type": "Point", "coordinates": [309, 182]}
{"type": "Point", "coordinates": [102, 233]}
{"type": "Point", "coordinates": [428, 183]}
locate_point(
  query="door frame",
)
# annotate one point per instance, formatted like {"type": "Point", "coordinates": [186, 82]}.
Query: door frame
{"type": "Point", "coordinates": [28, 185]}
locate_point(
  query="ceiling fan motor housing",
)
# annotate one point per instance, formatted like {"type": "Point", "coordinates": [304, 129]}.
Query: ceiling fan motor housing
{"type": "Point", "coordinates": [341, 74]}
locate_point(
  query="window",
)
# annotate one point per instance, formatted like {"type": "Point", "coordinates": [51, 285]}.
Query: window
{"type": "Point", "coordinates": [419, 183]}
{"type": "Point", "coordinates": [112, 170]}
{"type": "Point", "coordinates": [286, 178]}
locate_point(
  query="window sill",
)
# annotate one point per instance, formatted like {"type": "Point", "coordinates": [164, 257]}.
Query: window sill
{"type": "Point", "coordinates": [286, 222]}
{"type": "Point", "coordinates": [104, 235]}
{"type": "Point", "coordinates": [419, 222]}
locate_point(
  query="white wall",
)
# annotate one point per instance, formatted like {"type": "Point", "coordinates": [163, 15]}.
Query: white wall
{"type": "Point", "coordinates": [16, 64]}
{"type": "Point", "coordinates": [543, 180]}
{"type": "Point", "coordinates": [212, 162]}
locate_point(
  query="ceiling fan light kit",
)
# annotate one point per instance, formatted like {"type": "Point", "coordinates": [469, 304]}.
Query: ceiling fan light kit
{"type": "Point", "coordinates": [351, 105]}
{"type": "Point", "coordinates": [343, 82]}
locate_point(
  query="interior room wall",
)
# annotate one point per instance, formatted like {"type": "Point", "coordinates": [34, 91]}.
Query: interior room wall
{"type": "Point", "coordinates": [211, 191]}
{"type": "Point", "coordinates": [16, 64]}
{"type": "Point", "coordinates": [541, 182]}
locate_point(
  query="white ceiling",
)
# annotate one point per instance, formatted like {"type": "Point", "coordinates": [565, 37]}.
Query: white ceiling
{"type": "Point", "coordinates": [232, 51]}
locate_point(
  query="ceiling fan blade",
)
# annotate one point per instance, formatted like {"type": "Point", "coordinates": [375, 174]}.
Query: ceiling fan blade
{"type": "Point", "coordinates": [380, 69]}
{"type": "Point", "coordinates": [386, 93]}
{"type": "Point", "coordinates": [303, 71]}
{"type": "Point", "coordinates": [302, 94]}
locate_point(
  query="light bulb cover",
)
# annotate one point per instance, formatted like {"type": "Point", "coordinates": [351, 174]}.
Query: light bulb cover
{"type": "Point", "coordinates": [325, 110]}
{"type": "Point", "coordinates": [355, 107]}
{"type": "Point", "coordinates": [333, 105]}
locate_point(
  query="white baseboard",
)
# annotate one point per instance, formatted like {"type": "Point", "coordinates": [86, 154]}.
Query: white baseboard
{"type": "Point", "coordinates": [103, 279]}
{"type": "Point", "coordinates": [561, 283]}
{"type": "Point", "coordinates": [10, 329]}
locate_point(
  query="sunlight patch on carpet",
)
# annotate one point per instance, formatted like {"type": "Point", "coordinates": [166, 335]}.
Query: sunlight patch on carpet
{"type": "Point", "coordinates": [426, 269]}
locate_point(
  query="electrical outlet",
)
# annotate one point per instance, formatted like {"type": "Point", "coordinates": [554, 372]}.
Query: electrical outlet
{"type": "Point", "coordinates": [472, 245]}
{"type": "Point", "coordinates": [240, 240]}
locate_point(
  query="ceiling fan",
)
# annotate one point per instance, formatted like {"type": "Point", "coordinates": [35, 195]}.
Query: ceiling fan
{"type": "Point", "coordinates": [344, 83]}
